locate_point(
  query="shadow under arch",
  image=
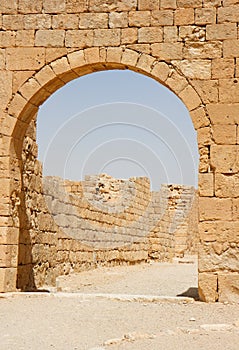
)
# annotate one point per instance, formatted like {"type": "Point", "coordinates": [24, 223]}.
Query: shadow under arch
{"type": "Point", "coordinates": [24, 107]}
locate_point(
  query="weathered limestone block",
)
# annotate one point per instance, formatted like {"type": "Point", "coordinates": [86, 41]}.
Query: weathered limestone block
{"type": "Point", "coordinates": [5, 88]}
{"type": "Point", "coordinates": [76, 6]}
{"type": "Point", "coordinates": [224, 134]}
{"type": "Point", "coordinates": [25, 38]}
{"type": "Point", "coordinates": [168, 4]}
{"type": "Point", "coordinates": [176, 82]}
{"type": "Point", "coordinates": [28, 58]}
{"type": "Point", "coordinates": [92, 20]}
{"type": "Point", "coordinates": [107, 37]}
{"type": "Point", "coordinates": [29, 88]}
{"type": "Point", "coordinates": [162, 18]}
{"type": "Point", "coordinates": [192, 34]}
{"type": "Point", "coordinates": [226, 185]}
{"type": "Point", "coordinates": [189, 3]}
{"type": "Point", "coordinates": [54, 6]}
{"type": "Point", "coordinates": [7, 39]}
{"type": "Point", "coordinates": [80, 39]}
{"type": "Point", "coordinates": [41, 21]}
{"type": "Point", "coordinates": [114, 54]}
{"type": "Point", "coordinates": [12, 22]}
{"type": "Point", "coordinates": [50, 38]}
{"type": "Point", "coordinates": [204, 136]}
{"type": "Point", "coordinates": [206, 185]}
{"type": "Point", "coordinates": [8, 278]}
{"type": "Point", "coordinates": [148, 4]}
{"type": "Point", "coordinates": [118, 20]}
{"type": "Point", "coordinates": [109, 5]}
{"type": "Point", "coordinates": [195, 69]}
{"type": "Point", "coordinates": [130, 57]}
{"type": "Point", "coordinates": [211, 208]}
{"type": "Point", "coordinates": [139, 19]}
{"type": "Point", "coordinates": [9, 6]}
{"type": "Point", "coordinates": [145, 62]}
{"type": "Point", "coordinates": [212, 3]}
{"type": "Point", "coordinates": [150, 35]}
{"type": "Point", "coordinates": [184, 16]}
{"type": "Point", "coordinates": [231, 49]}
{"type": "Point", "coordinates": [206, 89]}
{"type": "Point", "coordinates": [223, 113]}
{"type": "Point", "coordinates": [221, 31]}
{"type": "Point", "coordinates": [202, 50]}
{"type": "Point", "coordinates": [230, 2]}
{"type": "Point", "coordinates": [161, 71]}
{"type": "Point", "coordinates": [222, 68]}
{"type": "Point", "coordinates": [65, 21]}
{"type": "Point", "coordinates": [205, 16]}
{"type": "Point", "coordinates": [29, 6]}
{"type": "Point", "coordinates": [92, 55]}
{"type": "Point", "coordinates": [143, 48]}
{"type": "Point", "coordinates": [207, 287]}
{"type": "Point", "coordinates": [168, 51]}
{"type": "Point", "coordinates": [190, 98]}
{"type": "Point", "coordinates": [199, 118]}
{"type": "Point", "coordinates": [228, 14]}
{"type": "Point", "coordinates": [170, 34]}
{"type": "Point", "coordinates": [8, 255]}
{"type": "Point", "coordinates": [224, 158]}
{"type": "Point", "coordinates": [9, 235]}
{"type": "Point", "coordinates": [129, 36]}
{"type": "Point", "coordinates": [228, 287]}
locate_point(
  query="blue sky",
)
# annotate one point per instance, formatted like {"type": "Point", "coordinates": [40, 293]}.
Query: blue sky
{"type": "Point", "coordinates": [121, 123]}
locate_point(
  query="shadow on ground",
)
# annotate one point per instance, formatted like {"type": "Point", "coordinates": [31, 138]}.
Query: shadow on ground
{"type": "Point", "coordinates": [191, 292]}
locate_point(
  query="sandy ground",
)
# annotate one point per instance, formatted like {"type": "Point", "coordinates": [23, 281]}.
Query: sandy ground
{"type": "Point", "coordinates": [119, 308]}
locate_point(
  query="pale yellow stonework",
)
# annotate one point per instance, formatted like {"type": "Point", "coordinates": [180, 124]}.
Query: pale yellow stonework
{"type": "Point", "coordinates": [191, 46]}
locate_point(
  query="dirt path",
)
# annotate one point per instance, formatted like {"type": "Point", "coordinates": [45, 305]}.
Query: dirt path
{"type": "Point", "coordinates": [87, 321]}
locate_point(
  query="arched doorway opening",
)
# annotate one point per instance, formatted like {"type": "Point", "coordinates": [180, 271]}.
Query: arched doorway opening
{"type": "Point", "coordinates": [26, 116]}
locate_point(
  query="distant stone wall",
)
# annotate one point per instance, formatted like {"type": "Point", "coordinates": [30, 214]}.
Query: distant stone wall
{"type": "Point", "coordinates": [69, 226]}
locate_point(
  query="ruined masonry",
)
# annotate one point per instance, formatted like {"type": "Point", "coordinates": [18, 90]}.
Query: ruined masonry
{"type": "Point", "coordinates": [190, 46]}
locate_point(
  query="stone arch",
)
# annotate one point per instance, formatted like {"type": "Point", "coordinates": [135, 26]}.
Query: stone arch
{"type": "Point", "coordinates": [24, 104]}
{"type": "Point", "coordinates": [57, 73]}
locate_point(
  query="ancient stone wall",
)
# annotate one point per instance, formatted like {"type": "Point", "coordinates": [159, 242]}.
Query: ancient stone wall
{"type": "Point", "coordinates": [70, 226]}
{"type": "Point", "coordinates": [192, 47]}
